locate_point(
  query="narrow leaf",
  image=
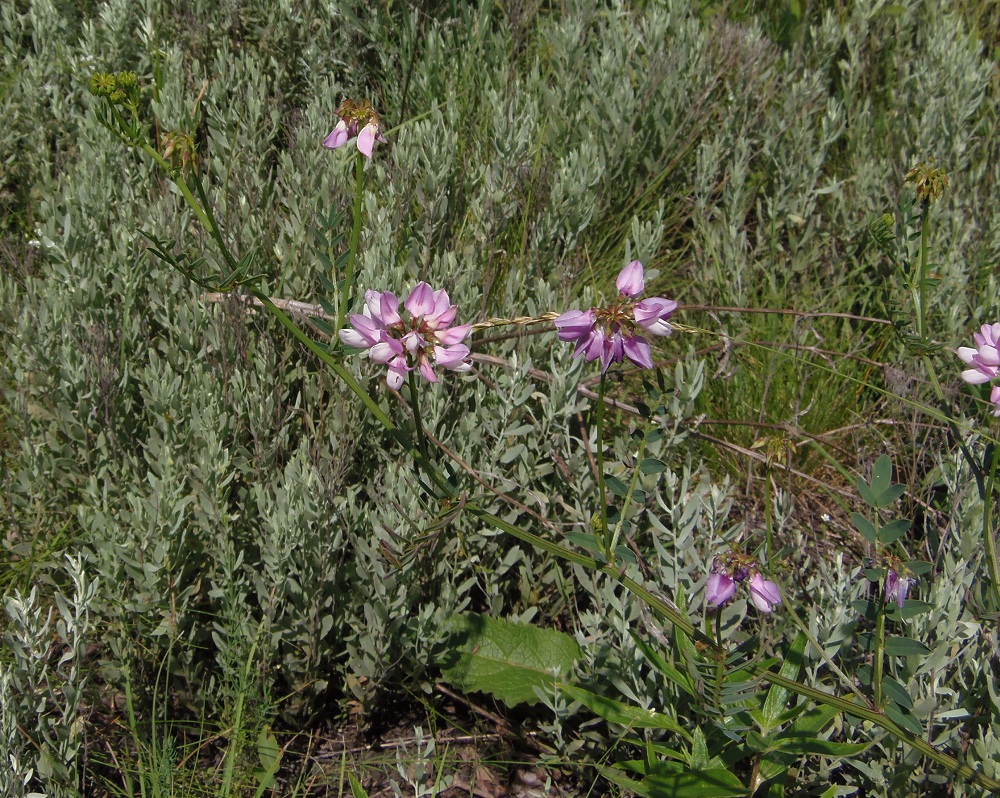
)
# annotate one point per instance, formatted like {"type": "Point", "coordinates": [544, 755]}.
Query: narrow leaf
{"type": "Point", "coordinates": [777, 697]}
{"type": "Point", "coordinates": [623, 714]}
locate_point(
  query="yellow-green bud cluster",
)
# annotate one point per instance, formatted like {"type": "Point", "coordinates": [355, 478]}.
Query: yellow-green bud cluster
{"type": "Point", "coordinates": [116, 88]}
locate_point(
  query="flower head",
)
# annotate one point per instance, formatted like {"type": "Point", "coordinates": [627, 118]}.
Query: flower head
{"type": "Point", "coordinates": [764, 593]}
{"type": "Point", "coordinates": [402, 344]}
{"type": "Point", "coordinates": [356, 119]}
{"type": "Point", "coordinates": [930, 182]}
{"type": "Point", "coordinates": [984, 358]}
{"type": "Point", "coordinates": [720, 588]}
{"type": "Point", "coordinates": [734, 568]}
{"type": "Point", "coordinates": [610, 333]}
{"type": "Point", "coordinates": [897, 587]}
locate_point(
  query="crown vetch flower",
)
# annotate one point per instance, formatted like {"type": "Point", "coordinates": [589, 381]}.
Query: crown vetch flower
{"type": "Point", "coordinates": [764, 593]}
{"type": "Point", "coordinates": [995, 400]}
{"type": "Point", "coordinates": [720, 587]}
{"type": "Point", "coordinates": [610, 333]}
{"type": "Point", "coordinates": [402, 344]}
{"type": "Point", "coordinates": [984, 358]}
{"type": "Point", "coordinates": [728, 571]}
{"type": "Point", "coordinates": [897, 587]}
{"type": "Point", "coordinates": [356, 119]}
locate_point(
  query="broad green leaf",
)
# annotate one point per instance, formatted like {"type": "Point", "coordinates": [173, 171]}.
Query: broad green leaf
{"type": "Point", "coordinates": [896, 692]}
{"type": "Point", "coordinates": [889, 495]}
{"type": "Point", "coordinates": [615, 485]}
{"type": "Point", "coordinates": [904, 647]}
{"type": "Point", "coordinates": [623, 714]}
{"type": "Point", "coordinates": [652, 466]}
{"type": "Point", "coordinates": [911, 609]}
{"type": "Point", "coordinates": [269, 753]}
{"type": "Point", "coordinates": [893, 530]}
{"type": "Point", "coordinates": [881, 474]}
{"type": "Point", "coordinates": [802, 746]}
{"type": "Point", "coordinates": [506, 659]}
{"type": "Point", "coordinates": [715, 783]}
{"type": "Point", "coordinates": [268, 749]}
{"type": "Point", "coordinates": [903, 717]}
{"type": "Point", "coordinates": [864, 607]}
{"type": "Point", "coordinates": [918, 567]}
{"type": "Point", "coordinates": [584, 540]}
{"type": "Point", "coordinates": [864, 526]}
{"type": "Point", "coordinates": [871, 499]}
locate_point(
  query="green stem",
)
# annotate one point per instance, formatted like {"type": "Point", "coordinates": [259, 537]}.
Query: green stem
{"type": "Point", "coordinates": [628, 496]}
{"type": "Point", "coordinates": [768, 534]}
{"type": "Point", "coordinates": [415, 404]}
{"type": "Point", "coordinates": [352, 255]}
{"type": "Point", "coordinates": [988, 537]}
{"type": "Point", "coordinates": [985, 482]}
{"type": "Point", "coordinates": [879, 651]}
{"type": "Point", "coordinates": [922, 285]}
{"type": "Point", "coordinates": [602, 490]}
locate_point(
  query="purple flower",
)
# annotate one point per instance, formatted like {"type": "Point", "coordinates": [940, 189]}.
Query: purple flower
{"type": "Point", "coordinates": [764, 593]}
{"type": "Point", "coordinates": [609, 334]}
{"type": "Point", "coordinates": [356, 119]}
{"type": "Point", "coordinates": [404, 344]}
{"type": "Point", "coordinates": [985, 358]}
{"type": "Point", "coordinates": [897, 587]}
{"type": "Point", "coordinates": [995, 400]}
{"type": "Point", "coordinates": [720, 588]}
{"type": "Point", "coordinates": [631, 280]}
{"type": "Point", "coordinates": [729, 571]}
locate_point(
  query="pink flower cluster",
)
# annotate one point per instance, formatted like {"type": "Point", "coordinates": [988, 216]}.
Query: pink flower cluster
{"type": "Point", "coordinates": [356, 119]}
{"type": "Point", "coordinates": [405, 344]}
{"type": "Point", "coordinates": [985, 361]}
{"type": "Point", "coordinates": [610, 333]}
{"type": "Point", "coordinates": [727, 573]}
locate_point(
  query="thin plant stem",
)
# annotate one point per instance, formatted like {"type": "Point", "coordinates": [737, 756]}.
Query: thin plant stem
{"type": "Point", "coordinates": [602, 489]}
{"type": "Point", "coordinates": [418, 423]}
{"type": "Point", "coordinates": [922, 284]}
{"type": "Point", "coordinates": [988, 537]}
{"type": "Point", "coordinates": [352, 255]}
{"type": "Point", "coordinates": [879, 650]}
{"type": "Point", "coordinates": [628, 496]}
{"type": "Point", "coordinates": [768, 523]}
{"type": "Point", "coordinates": [985, 483]}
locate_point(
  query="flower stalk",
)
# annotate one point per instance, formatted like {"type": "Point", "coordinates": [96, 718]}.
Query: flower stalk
{"type": "Point", "coordinates": [601, 487]}
{"type": "Point", "coordinates": [352, 255]}
{"type": "Point", "coordinates": [879, 654]}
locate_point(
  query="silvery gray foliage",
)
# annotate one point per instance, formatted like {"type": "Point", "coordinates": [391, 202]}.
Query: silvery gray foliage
{"type": "Point", "coordinates": [42, 687]}
{"type": "Point", "coordinates": [229, 498]}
